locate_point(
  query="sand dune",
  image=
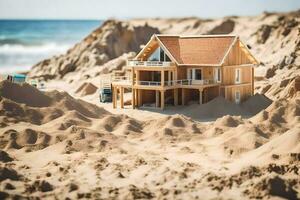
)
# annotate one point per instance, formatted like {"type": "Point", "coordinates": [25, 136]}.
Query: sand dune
{"type": "Point", "coordinates": [78, 150]}
{"type": "Point", "coordinates": [86, 89]}
{"type": "Point", "coordinates": [55, 146]}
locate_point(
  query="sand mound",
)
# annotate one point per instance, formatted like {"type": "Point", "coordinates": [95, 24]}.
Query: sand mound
{"type": "Point", "coordinates": [29, 138]}
{"type": "Point", "coordinates": [274, 186]}
{"type": "Point", "coordinates": [280, 112]}
{"type": "Point", "coordinates": [42, 186]}
{"type": "Point", "coordinates": [284, 144]}
{"type": "Point", "coordinates": [228, 121]}
{"type": "Point", "coordinates": [215, 108]}
{"type": "Point", "coordinates": [178, 127]}
{"type": "Point", "coordinates": [4, 157]}
{"type": "Point", "coordinates": [242, 139]}
{"type": "Point", "coordinates": [109, 123]}
{"type": "Point", "coordinates": [86, 89]}
{"type": "Point", "coordinates": [256, 103]}
{"type": "Point", "coordinates": [89, 110]}
{"type": "Point", "coordinates": [226, 27]}
{"type": "Point", "coordinates": [24, 93]}
{"type": "Point", "coordinates": [72, 118]}
{"type": "Point", "coordinates": [55, 104]}
{"type": "Point", "coordinates": [7, 173]}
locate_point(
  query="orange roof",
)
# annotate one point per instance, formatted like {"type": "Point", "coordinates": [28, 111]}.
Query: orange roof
{"type": "Point", "coordinates": [197, 50]}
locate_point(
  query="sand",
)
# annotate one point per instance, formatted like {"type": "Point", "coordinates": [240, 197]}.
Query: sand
{"type": "Point", "coordinates": [61, 147]}
{"type": "Point", "coordinates": [67, 145]}
{"type": "Point", "coordinates": [86, 89]}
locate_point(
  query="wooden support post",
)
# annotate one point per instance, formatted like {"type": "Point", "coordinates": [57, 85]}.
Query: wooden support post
{"type": "Point", "coordinates": [139, 94]}
{"type": "Point", "coordinates": [132, 76]}
{"type": "Point", "coordinates": [136, 97]}
{"type": "Point", "coordinates": [169, 77]}
{"type": "Point", "coordinates": [157, 98]}
{"type": "Point", "coordinates": [162, 78]}
{"type": "Point", "coordinates": [175, 96]}
{"type": "Point", "coordinates": [183, 96]}
{"type": "Point", "coordinates": [173, 75]}
{"type": "Point", "coordinates": [133, 98]}
{"type": "Point", "coordinates": [113, 97]}
{"type": "Point", "coordinates": [116, 97]}
{"type": "Point", "coordinates": [122, 97]}
{"type": "Point", "coordinates": [137, 77]}
{"type": "Point", "coordinates": [201, 96]}
{"type": "Point", "coordinates": [162, 99]}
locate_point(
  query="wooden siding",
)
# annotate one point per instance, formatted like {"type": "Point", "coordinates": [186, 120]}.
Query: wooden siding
{"type": "Point", "coordinates": [208, 72]}
{"type": "Point", "coordinates": [245, 91]}
{"type": "Point", "coordinates": [228, 75]}
{"type": "Point", "coordinates": [181, 73]}
{"type": "Point", "coordinates": [148, 96]}
{"type": "Point", "coordinates": [237, 56]}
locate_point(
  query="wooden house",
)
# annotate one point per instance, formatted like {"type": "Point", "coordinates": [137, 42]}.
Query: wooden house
{"type": "Point", "coordinates": [174, 70]}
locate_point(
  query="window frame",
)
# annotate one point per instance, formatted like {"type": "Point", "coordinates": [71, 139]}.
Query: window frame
{"type": "Point", "coordinates": [237, 77]}
{"type": "Point", "coordinates": [217, 74]}
{"type": "Point", "coordinates": [237, 100]}
{"type": "Point", "coordinates": [194, 78]}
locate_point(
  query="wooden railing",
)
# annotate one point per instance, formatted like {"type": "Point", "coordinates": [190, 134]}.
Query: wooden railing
{"type": "Point", "coordinates": [190, 82]}
{"type": "Point", "coordinates": [148, 63]}
{"type": "Point", "coordinates": [149, 83]}
{"type": "Point", "coordinates": [166, 83]}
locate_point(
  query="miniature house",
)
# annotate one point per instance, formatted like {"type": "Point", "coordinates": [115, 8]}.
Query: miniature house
{"type": "Point", "coordinates": [174, 70]}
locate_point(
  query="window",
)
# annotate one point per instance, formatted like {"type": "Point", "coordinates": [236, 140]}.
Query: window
{"type": "Point", "coordinates": [167, 59]}
{"type": "Point", "coordinates": [162, 55]}
{"type": "Point", "coordinates": [194, 74]}
{"type": "Point", "coordinates": [190, 74]}
{"type": "Point", "coordinates": [159, 55]}
{"type": "Point", "coordinates": [155, 56]}
{"type": "Point", "coordinates": [237, 75]}
{"type": "Point", "coordinates": [237, 97]}
{"type": "Point", "coordinates": [198, 74]}
{"type": "Point", "coordinates": [217, 74]}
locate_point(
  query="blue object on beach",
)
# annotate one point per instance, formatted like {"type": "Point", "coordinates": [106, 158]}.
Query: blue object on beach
{"type": "Point", "coordinates": [19, 78]}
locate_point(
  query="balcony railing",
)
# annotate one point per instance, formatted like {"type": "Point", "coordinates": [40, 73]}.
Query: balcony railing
{"type": "Point", "coordinates": [148, 63]}
{"type": "Point", "coordinates": [177, 82]}
{"type": "Point", "coordinates": [149, 83]}
{"type": "Point", "coordinates": [128, 80]}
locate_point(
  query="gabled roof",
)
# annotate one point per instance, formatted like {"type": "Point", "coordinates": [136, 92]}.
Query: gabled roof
{"type": "Point", "coordinates": [202, 50]}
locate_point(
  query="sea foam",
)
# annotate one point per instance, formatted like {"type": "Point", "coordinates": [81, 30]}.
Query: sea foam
{"type": "Point", "coordinates": [38, 49]}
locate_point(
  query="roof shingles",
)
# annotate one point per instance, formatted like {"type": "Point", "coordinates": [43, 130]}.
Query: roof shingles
{"type": "Point", "coordinates": [197, 50]}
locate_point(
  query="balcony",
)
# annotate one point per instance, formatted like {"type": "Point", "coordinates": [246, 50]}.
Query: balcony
{"type": "Point", "coordinates": [135, 63]}
{"type": "Point", "coordinates": [177, 82]}
{"type": "Point", "coordinates": [196, 82]}
{"type": "Point", "coordinates": [126, 80]}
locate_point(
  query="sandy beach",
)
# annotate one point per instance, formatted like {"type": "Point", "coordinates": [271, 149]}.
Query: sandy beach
{"type": "Point", "coordinates": [60, 142]}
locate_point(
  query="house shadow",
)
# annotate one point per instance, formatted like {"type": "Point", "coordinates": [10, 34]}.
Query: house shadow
{"type": "Point", "coordinates": [215, 108]}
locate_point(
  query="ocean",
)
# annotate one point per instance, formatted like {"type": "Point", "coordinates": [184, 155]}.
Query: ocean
{"type": "Point", "coordinates": [23, 43]}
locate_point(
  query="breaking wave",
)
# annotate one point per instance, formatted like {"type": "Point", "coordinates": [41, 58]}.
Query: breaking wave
{"type": "Point", "coordinates": [50, 48]}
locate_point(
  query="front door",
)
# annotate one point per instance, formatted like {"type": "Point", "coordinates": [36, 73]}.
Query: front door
{"type": "Point", "coordinates": [196, 75]}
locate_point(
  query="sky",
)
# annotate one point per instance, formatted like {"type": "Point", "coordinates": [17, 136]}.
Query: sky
{"type": "Point", "coordinates": [123, 9]}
